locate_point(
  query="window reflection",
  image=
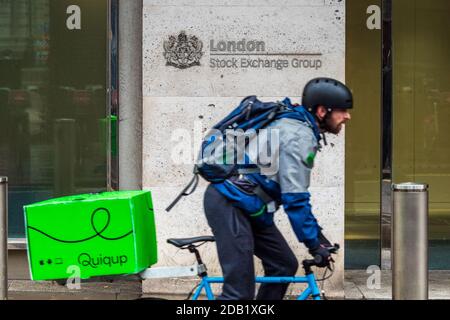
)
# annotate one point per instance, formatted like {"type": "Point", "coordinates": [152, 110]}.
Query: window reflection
{"type": "Point", "coordinates": [53, 124]}
{"type": "Point", "coordinates": [422, 111]}
{"type": "Point", "coordinates": [363, 147]}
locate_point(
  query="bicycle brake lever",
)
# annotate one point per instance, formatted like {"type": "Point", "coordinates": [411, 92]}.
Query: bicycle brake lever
{"type": "Point", "coordinates": [329, 265]}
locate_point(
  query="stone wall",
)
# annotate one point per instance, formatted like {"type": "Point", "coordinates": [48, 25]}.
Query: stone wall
{"type": "Point", "coordinates": [238, 48]}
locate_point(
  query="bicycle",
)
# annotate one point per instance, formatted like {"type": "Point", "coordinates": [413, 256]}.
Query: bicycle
{"type": "Point", "coordinates": [191, 244]}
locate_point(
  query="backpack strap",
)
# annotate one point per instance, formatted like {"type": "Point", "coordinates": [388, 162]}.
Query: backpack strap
{"type": "Point", "coordinates": [268, 200]}
{"type": "Point", "coordinates": [193, 183]}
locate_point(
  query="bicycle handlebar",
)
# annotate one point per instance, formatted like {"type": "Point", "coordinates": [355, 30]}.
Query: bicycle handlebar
{"type": "Point", "coordinates": [334, 249]}
{"type": "Point", "coordinates": [308, 263]}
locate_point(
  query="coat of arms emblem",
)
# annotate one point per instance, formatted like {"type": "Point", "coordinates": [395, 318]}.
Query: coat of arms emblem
{"type": "Point", "coordinates": [183, 51]}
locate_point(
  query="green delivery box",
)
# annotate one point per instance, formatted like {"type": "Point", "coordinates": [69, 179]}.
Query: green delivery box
{"type": "Point", "coordinates": [111, 233]}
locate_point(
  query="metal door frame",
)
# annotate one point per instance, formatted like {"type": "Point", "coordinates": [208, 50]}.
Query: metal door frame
{"type": "Point", "coordinates": [386, 136]}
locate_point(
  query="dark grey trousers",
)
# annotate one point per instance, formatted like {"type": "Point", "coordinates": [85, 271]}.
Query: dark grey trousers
{"type": "Point", "coordinates": [238, 239]}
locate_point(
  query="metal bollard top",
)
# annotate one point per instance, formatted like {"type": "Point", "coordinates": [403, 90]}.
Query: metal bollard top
{"type": "Point", "coordinates": [3, 179]}
{"type": "Point", "coordinates": [410, 186]}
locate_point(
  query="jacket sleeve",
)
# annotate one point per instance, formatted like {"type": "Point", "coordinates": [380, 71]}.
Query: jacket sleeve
{"type": "Point", "coordinates": [296, 155]}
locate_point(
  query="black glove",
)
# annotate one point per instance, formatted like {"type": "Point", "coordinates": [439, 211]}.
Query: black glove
{"type": "Point", "coordinates": [321, 255]}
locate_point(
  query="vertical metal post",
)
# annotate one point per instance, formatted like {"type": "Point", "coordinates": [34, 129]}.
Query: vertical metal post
{"type": "Point", "coordinates": [65, 153]}
{"type": "Point", "coordinates": [3, 238]}
{"type": "Point", "coordinates": [410, 242]}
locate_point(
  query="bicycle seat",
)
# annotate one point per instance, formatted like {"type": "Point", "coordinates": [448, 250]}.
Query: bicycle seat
{"type": "Point", "coordinates": [190, 241]}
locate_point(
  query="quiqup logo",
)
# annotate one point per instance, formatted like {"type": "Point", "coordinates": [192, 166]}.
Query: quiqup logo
{"type": "Point", "coordinates": [86, 260]}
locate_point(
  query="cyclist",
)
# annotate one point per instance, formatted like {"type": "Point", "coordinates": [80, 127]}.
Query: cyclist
{"type": "Point", "coordinates": [240, 210]}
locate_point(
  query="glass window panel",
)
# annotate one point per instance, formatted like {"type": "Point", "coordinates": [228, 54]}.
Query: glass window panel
{"type": "Point", "coordinates": [52, 101]}
{"type": "Point", "coordinates": [362, 155]}
{"type": "Point", "coordinates": [421, 51]}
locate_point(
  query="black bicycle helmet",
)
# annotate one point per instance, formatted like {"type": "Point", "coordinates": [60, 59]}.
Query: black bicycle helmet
{"type": "Point", "coordinates": [327, 92]}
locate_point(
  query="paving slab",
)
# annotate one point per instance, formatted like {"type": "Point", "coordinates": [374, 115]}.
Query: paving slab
{"type": "Point", "coordinates": [89, 290]}
{"type": "Point", "coordinates": [357, 287]}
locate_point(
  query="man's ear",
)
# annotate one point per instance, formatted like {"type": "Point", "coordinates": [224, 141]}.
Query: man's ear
{"type": "Point", "coordinates": [321, 112]}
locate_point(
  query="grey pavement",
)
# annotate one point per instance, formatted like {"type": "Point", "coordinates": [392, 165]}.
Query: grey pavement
{"type": "Point", "coordinates": [51, 290]}
{"type": "Point", "coordinates": [355, 287]}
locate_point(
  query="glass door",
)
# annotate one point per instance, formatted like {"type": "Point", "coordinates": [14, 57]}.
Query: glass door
{"type": "Point", "coordinates": [362, 134]}
{"type": "Point", "coordinates": [421, 110]}
{"type": "Point", "coordinates": [53, 100]}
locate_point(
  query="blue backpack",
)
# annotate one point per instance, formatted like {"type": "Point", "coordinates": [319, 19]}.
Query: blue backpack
{"type": "Point", "coordinates": [251, 113]}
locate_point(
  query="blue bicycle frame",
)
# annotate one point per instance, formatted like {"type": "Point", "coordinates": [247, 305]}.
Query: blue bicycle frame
{"type": "Point", "coordinates": [312, 289]}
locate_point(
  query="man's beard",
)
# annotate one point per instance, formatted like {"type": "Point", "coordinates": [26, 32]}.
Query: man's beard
{"type": "Point", "coordinates": [329, 127]}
